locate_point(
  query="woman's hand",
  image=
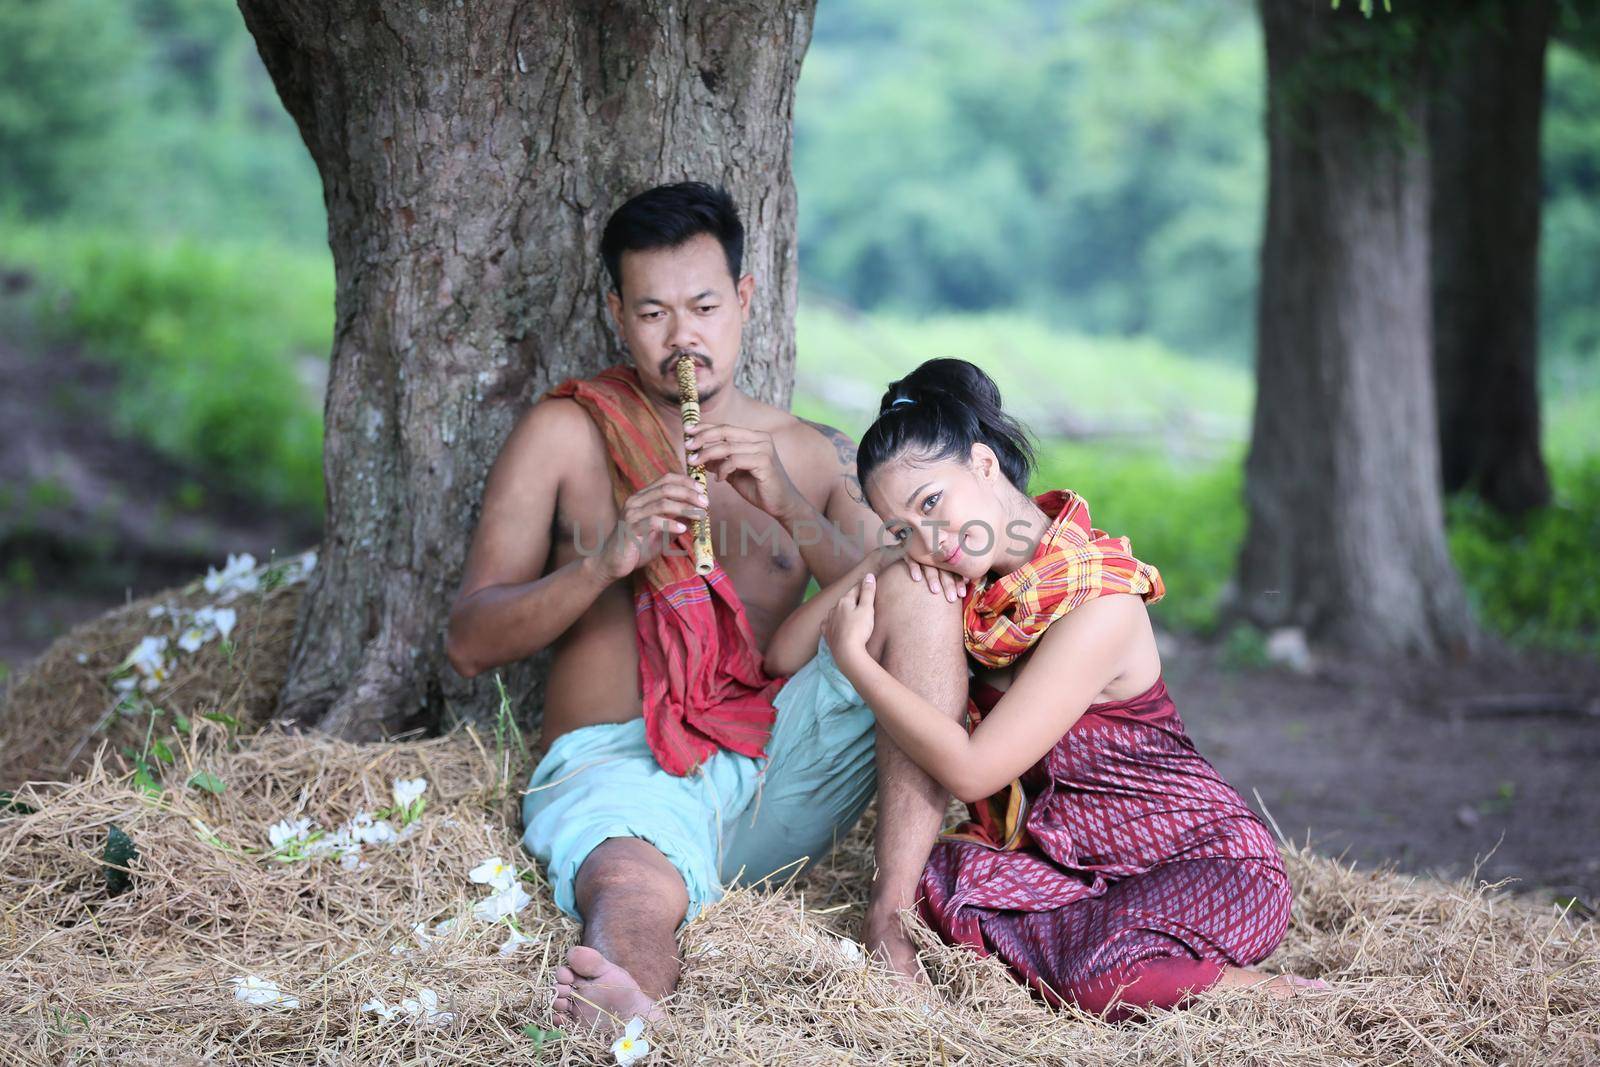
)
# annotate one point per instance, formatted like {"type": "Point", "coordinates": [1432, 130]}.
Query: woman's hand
{"type": "Point", "coordinates": [850, 622]}
{"type": "Point", "coordinates": [939, 582]}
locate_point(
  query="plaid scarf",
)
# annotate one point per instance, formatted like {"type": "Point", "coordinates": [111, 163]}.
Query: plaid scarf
{"type": "Point", "coordinates": [1073, 563]}
{"type": "Point", "coordinates": [700, 673]}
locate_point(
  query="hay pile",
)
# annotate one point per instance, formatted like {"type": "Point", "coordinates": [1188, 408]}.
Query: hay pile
{"type": "Point", "coordinates": [1426, 972]}
{"type": "Point", "coordinates": [53, 716]}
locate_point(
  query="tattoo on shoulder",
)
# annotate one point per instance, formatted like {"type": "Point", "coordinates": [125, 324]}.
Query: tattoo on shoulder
{"type": "Point", "coordinates": [845, 449]}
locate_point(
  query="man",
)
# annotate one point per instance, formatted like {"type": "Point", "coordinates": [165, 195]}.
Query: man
{"type": "Point", "coordinates": [673, 763]}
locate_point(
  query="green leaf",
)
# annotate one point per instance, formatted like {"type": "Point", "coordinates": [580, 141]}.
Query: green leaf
{"type": "Point", "coordinates": [120, 852]}
{"type": "Point", "coordinates": [161, 752]}
{"type": "Point", "coordinates": [221, 716]}
{"type": "Point", "coordinates": [207, 781]}
{"type": "Point", "coordinates": [143, 779]}
{"type": "Point", "coordinates": [180, 721]}
{"type": "Point", "coordinates": [9, 802]}
{"type": "Point", "coordinates": [541, 1037]}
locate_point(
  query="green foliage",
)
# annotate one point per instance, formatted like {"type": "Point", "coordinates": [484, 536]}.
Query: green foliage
{"type": "Point", "coordinates": [210, 783]}
{"type": "Point", "coordinates": [1245, 649]}
{"type": "Point", "coordinates": [1186, 521]}
{"type": "Point", "coordinates": [1097, 162]}
{"type": "Point", "coordinates": [1045, 372]}
{"type": "Point", "coordinates": [149, 115]}
{"type": "Point", "coordinates": [1569, 252]}
{"type": "Point", "coordinates": [119, 854]}
{"type": "Point", "coordinates": [210, 341]}
{"type": "Point", "coordinates": [1536, 581]}
{"type": "Point", "coordinates": [63, 91]}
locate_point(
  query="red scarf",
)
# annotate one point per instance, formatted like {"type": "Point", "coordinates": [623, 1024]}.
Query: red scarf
{"type": "Point", "coordinates": [700, 673]}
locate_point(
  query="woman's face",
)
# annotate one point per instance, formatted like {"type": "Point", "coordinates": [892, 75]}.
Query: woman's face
{"type": "Point", "coordinates": [947, 512]}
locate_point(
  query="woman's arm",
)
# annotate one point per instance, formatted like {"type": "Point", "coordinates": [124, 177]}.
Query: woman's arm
{"type": "Point", "coordinates": [1081, 654]}
{"type": "Point", "coordinates": [795, 641]}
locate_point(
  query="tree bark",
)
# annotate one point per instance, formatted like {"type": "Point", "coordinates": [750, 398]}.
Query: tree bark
{"type": "Point", "coordinates": [1484, 137]}
{"type": "Point", "coordinates": [1346, 529]}
{"type": "Point", "coordinates": [470, 155]}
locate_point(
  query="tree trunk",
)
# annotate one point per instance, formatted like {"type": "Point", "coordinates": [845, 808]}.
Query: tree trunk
{"type": "Point", "coordinates": [1346, 529]}
{"type": "Point", "coordinates": [470, 155]}
{"type": "Point", "coordinates": [1484, 135]}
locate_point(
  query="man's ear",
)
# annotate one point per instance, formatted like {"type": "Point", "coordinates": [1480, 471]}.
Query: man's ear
{"type": "Point", "coordinates": [614, 304]}
{"type": "Point", "coordinates": [746, 289]}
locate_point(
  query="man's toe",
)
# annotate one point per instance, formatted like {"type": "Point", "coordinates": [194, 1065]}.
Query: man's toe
{"type": "Point", "coordinates": [586, 961]}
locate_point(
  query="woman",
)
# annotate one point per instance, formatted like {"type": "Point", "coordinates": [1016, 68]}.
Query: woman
{"type": "Point", "coordinates": [1108, 865]}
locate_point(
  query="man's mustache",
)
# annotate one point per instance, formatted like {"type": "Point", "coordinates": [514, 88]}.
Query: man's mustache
{"type": "Point", "coordinates": [670, 364]}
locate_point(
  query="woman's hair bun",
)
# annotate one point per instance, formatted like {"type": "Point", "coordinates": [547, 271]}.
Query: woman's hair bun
{"type": "Point", "coordinates": [940, 410]}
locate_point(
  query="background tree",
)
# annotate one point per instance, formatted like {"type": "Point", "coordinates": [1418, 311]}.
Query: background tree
{"type": "Point", "coordinates": [469, 158]}
{"type": "Point", "coordinates": [1483, 134]}
{"type": "Point", "coordinates": [1346, 524]}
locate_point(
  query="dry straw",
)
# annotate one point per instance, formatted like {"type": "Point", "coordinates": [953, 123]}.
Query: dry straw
{"type": "Point", "coordinates": [1424, 972]}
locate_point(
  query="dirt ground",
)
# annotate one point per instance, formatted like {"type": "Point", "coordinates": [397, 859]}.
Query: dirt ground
{"type": "Point", "coordinates": [1493, 761]}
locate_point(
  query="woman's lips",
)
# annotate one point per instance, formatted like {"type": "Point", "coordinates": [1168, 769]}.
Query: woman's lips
{"type": "Point", "coordinates": [955, 554]}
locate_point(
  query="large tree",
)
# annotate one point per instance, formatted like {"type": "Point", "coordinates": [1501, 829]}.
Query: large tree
{"type": "Point", "coordinates": [1484, 122]}
{"type": "Point", "coordinates": [1346, 529]}
{"type": "Point", "coordinates": [470, 154]}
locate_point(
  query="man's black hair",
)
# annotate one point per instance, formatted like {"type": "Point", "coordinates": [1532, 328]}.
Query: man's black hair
{"type": "Point", "coordinates": [666, 217]}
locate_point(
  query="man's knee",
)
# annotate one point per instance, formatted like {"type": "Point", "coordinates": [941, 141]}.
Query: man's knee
{"type": "Point", "coordinates": [909, 615]}
{"type": "Point", "coordinates": [629, 865]}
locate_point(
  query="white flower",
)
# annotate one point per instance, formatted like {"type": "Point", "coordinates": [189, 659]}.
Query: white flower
{"type": "Point", "coordinates": [444, 927]}
{"type": "Point", "coordinates": [425, 1009]}
{"type": "Point", "coordinates": [516, 938]}
{"type": "Point", "coordinates": [495, 872]}
{"type": "Point", "coordinates": [384, 1011]}
{"type": "Point", "coordinates": [286, 832]}
{"type": "Point", "coordinates": [407, 791]}
{"type": "Point", "coordinates": [501, 905]}
{"type": "Point", "coordinates": [238, 576]}
{"type": "Point", "coordinates": [192, 638]}
{"type": "Point", "coordinates": [262, 992]}
{"type": "Point", "coordinates": [362, 828]}
{"type": "Point", "coordinates": [351, 861]}
{"type": "Point", "coordinates": [849, 951]}
{"type": "Point", "coordinates": [631, 1045]}
{"type": "Point", "coordinates": [215, 621]}
{"type": "Point", "coordinates": [339, 843]}
{"type": "Point", "coordinates": [305, 563]}
{"type": "Point", "coordinates": [156, 612]}
{"type": "Point", "coordinates": [149, 660]}
{"type": "Point", "coordinates": [82, 657]}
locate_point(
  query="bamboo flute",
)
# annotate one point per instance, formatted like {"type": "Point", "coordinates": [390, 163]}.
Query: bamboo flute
{"type": "Point", "coordinates": [689, 408]}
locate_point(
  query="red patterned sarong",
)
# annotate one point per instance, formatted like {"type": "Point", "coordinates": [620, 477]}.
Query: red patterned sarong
{"type": "Point", "coordinates": [1142, 872]}
{"type": "Point", "coordinates": [700, 672]}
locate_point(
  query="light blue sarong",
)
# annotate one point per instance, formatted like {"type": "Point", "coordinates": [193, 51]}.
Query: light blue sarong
{"type": "Point", "coordinates": [735, 819]}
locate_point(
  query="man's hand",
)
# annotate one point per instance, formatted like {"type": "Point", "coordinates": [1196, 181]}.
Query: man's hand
{"type": "Point", "coordinates": [748, 461]}
{"type": "Point", "coordinates": [649, 518]}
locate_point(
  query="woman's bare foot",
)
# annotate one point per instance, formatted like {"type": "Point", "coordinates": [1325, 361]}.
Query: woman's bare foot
{"type": "Point", "coordinates": [1280, 986]}
{"type": "Point", "coordinates": [595, 993]}
{"type": "Point", "coordinates": [886, 939]}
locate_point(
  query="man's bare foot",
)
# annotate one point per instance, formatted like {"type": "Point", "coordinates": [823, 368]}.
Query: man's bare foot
{"type": "Point", "coordinates": [886, 939]}
{"type": "Point", "coordinates": [596, 994]}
